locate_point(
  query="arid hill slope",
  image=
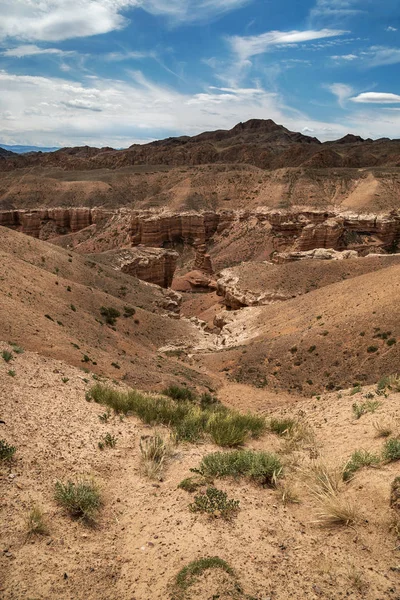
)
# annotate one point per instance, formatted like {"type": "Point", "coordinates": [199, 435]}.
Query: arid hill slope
{"type": "Point", "coordinates": [51, 302]}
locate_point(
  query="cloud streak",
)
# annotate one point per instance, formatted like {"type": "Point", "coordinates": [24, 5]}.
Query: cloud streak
{"type": "Point", "coordinates": [376, 98]}
{"type": "Point", "coordinates": [248, 46]}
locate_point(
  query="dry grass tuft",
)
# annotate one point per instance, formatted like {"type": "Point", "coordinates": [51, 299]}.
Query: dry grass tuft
{"type": "Point", "coordinates": [335, 511]}
{"type": "Point", "coordinates": [383, 428]}
{"type": "Point", "coordinates": [35, 522]}
{"type": "Point", "coordinates": [154, 450]}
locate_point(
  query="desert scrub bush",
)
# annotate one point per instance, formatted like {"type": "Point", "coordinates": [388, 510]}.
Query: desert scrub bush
{"type": "Point", "coordinates": [35, 522]}
{"type": "Point", "coordinates": [81, 499]}
{"type": "Point", "coordinates": [355, 390]}
{"type": "Point", "coordinates": [129, 311]}
{"type": "Point", "coordinates": [110, 314]}
{"type": "Point", "coordinates": [207, 400]}
{"type": "Point", "coordinates": [365, 407]}
{"type": "Point", "coordinates": [17, 349]}
{"type": "Point", "coordinates": [358, 460]}
{"type": "Point", "coordinates": [11, 373]}
{"type": "Point", "coordinates": [324, 480]}
{"type": "Point", "coordinates": [189, 574]}
{"type": "Point", "coordinates": [7, 356]}
{"type": "Point", "coordinates": [179, 393]}
{"type": "Point", "coordinates": [154, 451]}
{"type": "Point", "coordinates": [391, 450]}
{"type": "Point", "coordinates": [6, 451]}
{"type": "Point", "coordinates": [215, 503]}
{"type": "Point", "coordinates": [263, 467]}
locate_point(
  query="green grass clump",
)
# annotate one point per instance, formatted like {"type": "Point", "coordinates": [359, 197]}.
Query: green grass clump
{"type": "Point", "coordinates": [179, 393]}
{"type": "Point", "coordinates": [215, 503]}
{"type": "Point", "coordinates": [263, 467]}
{"type": "Point", "coordinates": [7, 356]}
{"type": "Point", "coordinates": [282, 426]}
{"type": "Point", "coordinates": [391, 450]}
{"type": "Point", "coordinates": [81, 499]}
{"type": "Point", "coordinates": [189, 421]}
{"type": "Point", "coordinates": [365, 407]}
{"type": "Point", "coordinates": [108, 440]}
{"type": "Point", "coordinates": [189, 574]}
{"type": "Point", "coordinates": [359, 459]}
{"type": "Point", "coordinates": [6, 451]}
{"type": "Point", "coordinates": [232, 429]}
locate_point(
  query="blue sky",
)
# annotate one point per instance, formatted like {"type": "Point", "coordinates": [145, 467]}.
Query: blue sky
{"type": "Point", "coordinates": [115, 72]}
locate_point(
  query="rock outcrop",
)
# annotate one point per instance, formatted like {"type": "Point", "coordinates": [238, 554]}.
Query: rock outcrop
{"type": "Point", "coordinates": [154, 265]}
{"type": "Point", "coordinates": [316, 254]}
{"type": "Point", "coordinates": [235, 296]}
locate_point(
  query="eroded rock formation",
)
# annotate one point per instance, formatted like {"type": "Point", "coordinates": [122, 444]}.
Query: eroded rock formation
{"type": "Point", "coordinates": [154, 265]}
{"type": "Point", "coordinates": [316, 254]}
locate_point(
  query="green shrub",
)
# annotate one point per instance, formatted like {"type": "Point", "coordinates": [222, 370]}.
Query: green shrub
{"type": "Point", "coordinates": [372, 349]}
{"type": "Point", "coordinates": [7, 355]}
{"type": "Point", "coordinates": [391, 450]}
{"type": "Point", "coordinates": [215, 503]}
{"type": "Point", "coordinates": [17, 349]}
{"type": "Point", "coordinates": [263, 467]}
{"type": "Point", "coordinates": [81, 499]}
{"type": "Point", "coordinates": [11, 373]}
{"type": "Point", "coordinates": [110, 314]}
{"type": "Point", "coordinates": [129, 311]}
{"type": "Point", "coordinates": [207, 401]}
{"type": "Point", "coordinates": [359, 459]}
{"type": "Point", "coordinates": [108, 440]}
{"type": "Point", "coordinates": [6, 451]}
{"type": "Point", "coordinates": [179, 393]}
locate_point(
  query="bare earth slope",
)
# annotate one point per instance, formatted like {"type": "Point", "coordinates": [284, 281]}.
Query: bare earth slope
{"type": "Point", "coordinates": [146, 533]}
{"type": "Point", "coordinates": [51, 301]}
{"type": "Point", "coordinates": [332, 337]}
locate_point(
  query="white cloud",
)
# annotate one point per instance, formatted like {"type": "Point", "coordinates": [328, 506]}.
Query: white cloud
{"type": "Point", "coordinates": [376, 98]}
{"type": "Point", "coordinates": [342, 92]}
{"type": "Point", "coordinates": [390, 28]}
{"type": "Point", "coordinates": [32, 50]}
{"type": "Point", "coordinates": [248, 46]}
{"type": "Point", "coordinates": [374, 56]}
{"type": "Point", "coordinates": [55, 20]}
{"type": "Point", "coordinates": [335, 10]}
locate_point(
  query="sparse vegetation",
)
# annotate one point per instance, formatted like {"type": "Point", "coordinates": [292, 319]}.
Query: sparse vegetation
{"type": "Point", "coordinates": [191, 484]}
{"type": "Point", "coordinates": [81, 499]}
{"type": "Point", "coordinates": [35, 522]}
{"type": "Point", "coordinates": [391, 450]}
{"type": "Point", "coordinates": [262, 467]}
{"type": "Point", "coordinates": [336, 511]}
{"type": "Point", "coordinates": [108, 440]}
{"type": "Point", "coordinates": [359, 459]}
{"type": "Point", "coordinates": [365, 407]}
{"type": "Point", "coordinates": [180, 393]}
{"type": "Point", "coordinates": [188, 421]}
{"type": "Point", "coordinates": [6, 451]}
{"type": "Point", "coordinates": [129, 311]}
{"type": "Point", "coordinates": [383, 429]}
{"type": "Point", "coordinates": [281, 426]}
{"type": "Point", "coordinates": [11, 373]}
{"type": "Point", "coordinates": [189, 574]}
{"type": "Point", "coordinates": [110, 314]}
{"type": "Point", "coordinates": [215, 503]}
{"type": "Point", "coordinates": [154, 451]}
{"type": "Point", "coordinates": [7, 356]}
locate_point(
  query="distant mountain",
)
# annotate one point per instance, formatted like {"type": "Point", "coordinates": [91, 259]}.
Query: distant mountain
{"type": "Point", "coordinates": [24, 149]}
{"type": "Point", "coordinates": [258, 142]}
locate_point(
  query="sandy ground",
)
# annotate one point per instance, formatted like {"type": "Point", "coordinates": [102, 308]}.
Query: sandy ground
{"type": "Point", "coordinates": [146, 533]}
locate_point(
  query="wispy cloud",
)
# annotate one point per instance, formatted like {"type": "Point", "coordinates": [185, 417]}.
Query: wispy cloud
{"type": "Point", "coordinates": [390, 28]}
{"type": "Point", "coordinates": [248, 46]}
{"type": "Point", "coordinates": [342, 92]}
{"type": "Point", "coordinates": [374, 56]}
{"type": "Point", "coordinates": [32, 50]}
{"type": "Point", "coordinates": [334, 11]}
{"type": "Point", "coordinates": [376, 98]}
{"type": "Point", "coordinates": [56, 20]}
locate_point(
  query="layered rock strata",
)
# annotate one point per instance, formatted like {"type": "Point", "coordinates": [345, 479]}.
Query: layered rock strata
{"type": "Point", "coordinates": [154, 265]}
